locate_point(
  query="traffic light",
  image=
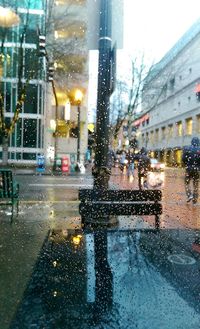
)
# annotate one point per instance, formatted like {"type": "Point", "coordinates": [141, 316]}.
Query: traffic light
{"type": "Point", "coordinates": [42, 45]}
{"type": "Point", "coordinates": [50, 73]}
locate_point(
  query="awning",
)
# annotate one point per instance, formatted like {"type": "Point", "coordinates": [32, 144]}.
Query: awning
{"type": "Point", "coordinates": [142, 119]}
{"type": "Point", "coordinates": [197, 88]}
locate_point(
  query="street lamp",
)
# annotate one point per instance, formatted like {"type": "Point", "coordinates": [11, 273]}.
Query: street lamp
{"type": "Point", "coordinates": [78, 99]}
{"type": "Point", "coordinates": [8, 18]}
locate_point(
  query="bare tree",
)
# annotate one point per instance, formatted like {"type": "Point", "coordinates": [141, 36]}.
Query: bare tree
{"type": "Point", "coordinates": [138, 73]}
{"type": "Point", "coordinates": [144, 91]}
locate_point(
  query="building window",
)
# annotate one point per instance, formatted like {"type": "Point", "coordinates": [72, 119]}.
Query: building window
{"type": "Point", "coordinates": [143, 139]}
{"type": "Point", "coordinates": [179, 126]}
{"type": "Point", "coordinates": [188, 126]}
{"type": "Point", "coordinates": [30, 133]}
{"type": "Point", "coordinates": [165, 90]}
{"type": "Point", "coordinates": [172, 84]}
{"type": "Point", "coordinates": [152, 137]}
{"type": "Point", "coordinates": [157, 135]}
{"type": "Point", "coordinates": [163, 131]}
{"type": "Point", "coordinates": [170, 131]}
{"type": "Point", "coordinates": [147, 138]}
{"type": "Point", "coordinates": [198, 124]}
{"type": "Point", "coordinates": [30, 103]}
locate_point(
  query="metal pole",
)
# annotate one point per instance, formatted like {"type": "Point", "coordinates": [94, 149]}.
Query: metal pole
{"type": "Point", "coordinates": [101, 171]}
{"type": "Point", "coordinates": [56, 131]}
{"type": "Point", "coordinates": [78, 140]}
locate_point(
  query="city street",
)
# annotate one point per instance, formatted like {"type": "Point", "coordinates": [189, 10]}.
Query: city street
{"type": "Point", "coordinates": [177, 213]}
{"type": "Point", "coordinates": [54, 274]}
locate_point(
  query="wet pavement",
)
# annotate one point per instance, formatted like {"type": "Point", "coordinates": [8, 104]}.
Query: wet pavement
{"type": "Point", "coordinates": [111, 279]}
{"type": "Point", "coordinates": [177, 213]}
{"type": "Point", "coordinates": [55, 274]}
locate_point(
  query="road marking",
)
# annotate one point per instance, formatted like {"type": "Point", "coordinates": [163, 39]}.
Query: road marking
{"type": "Point", "coordinates": [61, 185]}
{"type": "Point", "coordinates": [181, 259]}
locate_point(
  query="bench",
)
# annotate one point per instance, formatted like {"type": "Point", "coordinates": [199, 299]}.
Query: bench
{"type": "Point", "coordinates": [9, 190]}
{"type": "Point", "coordinates": [96, 204]}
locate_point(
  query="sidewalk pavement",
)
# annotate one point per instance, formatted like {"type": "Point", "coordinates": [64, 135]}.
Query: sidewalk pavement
{"type": "Point", "coordinates": [171, 171]}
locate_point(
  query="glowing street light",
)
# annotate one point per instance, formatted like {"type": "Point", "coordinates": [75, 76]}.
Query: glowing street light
{"type": "Point", "coordinates": [78, 100]}
{"type": "Point", "coordinates": [8, 18]}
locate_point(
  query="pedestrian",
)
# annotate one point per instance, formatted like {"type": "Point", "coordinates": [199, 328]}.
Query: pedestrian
{"type": "Point", "coordinates": [191, 160]}
{"type": "Point", "coordinates": [111, 158]}
{"type": "Point", "coordinates": [130, 158]}
{"type": "Point", "coordinates": [122, 162]}
{"type": "Point", "coordinates": [144, 164]}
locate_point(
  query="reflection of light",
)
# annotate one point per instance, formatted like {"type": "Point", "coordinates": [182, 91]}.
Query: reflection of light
{"type": "Point", "coordinates": [55, 293]}
{"type": "Point", "coordinates": [8, 17]}
{"type": "Point", "coordinates": [127, 142]}
{"type": "Point", "coordinates": [67, 111]}
{"type": "Point", "coordinates": [77, 239]}
{"type": "Point", "coordinates": [131, 178]}
{"type": "Point", "coordinates": [50, 152]}
{"type": "Point", "coordinates": [156, 179]}
{"type": "Point", "coordinates": [65, 233]}
{"type": "Point", "coordinates": [56, 34]}
{"type": "Point", "coordinates": [78, 96]}
{"type": "Point", "coordinates": [53, 125]}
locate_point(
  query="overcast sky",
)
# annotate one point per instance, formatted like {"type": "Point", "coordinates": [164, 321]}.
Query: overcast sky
{"type": "Point", "coordinates": [156, 25]}
{"type": "Point", "coordinates": [151, 27]}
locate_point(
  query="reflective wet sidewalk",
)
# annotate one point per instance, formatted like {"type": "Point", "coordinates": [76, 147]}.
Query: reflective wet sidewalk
{"type": "Point", "coordinates": [56, 275]}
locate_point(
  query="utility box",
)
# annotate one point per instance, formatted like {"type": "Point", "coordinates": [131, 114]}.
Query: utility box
{"type": "Point", "coordinates": [40, 164]}
{"type": "Point", "coordinates": [65, 164]}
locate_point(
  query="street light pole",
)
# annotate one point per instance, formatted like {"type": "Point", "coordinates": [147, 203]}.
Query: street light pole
{"type": "Point", "coordinates": [78, 100]}
{"type": "Point", "coordinates": [101, 171]}
{"type": "Point", "coordinates": [78, 141]}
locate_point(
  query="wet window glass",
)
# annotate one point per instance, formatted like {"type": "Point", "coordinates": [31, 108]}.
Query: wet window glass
{"type": "Point", "coordinates": [99, 164]}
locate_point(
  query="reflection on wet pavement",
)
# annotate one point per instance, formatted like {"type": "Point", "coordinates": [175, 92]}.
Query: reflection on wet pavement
{"type": "Point", "coordinates": [112, 279]}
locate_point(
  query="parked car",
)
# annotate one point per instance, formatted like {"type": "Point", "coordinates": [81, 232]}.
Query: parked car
{"type": "Point", "coordinates": [156, 165]}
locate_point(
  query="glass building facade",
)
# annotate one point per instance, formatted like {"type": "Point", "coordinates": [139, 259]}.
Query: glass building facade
{"type": "Point", "coordinates": [21, 65]}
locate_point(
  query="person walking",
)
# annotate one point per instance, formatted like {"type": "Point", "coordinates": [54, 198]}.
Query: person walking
{"type": "Point", "coordinates": [130, 158]}
{"type": "Point", "coordinates": [122, 161]}
{"type": "Point", "coordinates": [191, 160]}
{"type": "Point", "coordinates": [144, 164]}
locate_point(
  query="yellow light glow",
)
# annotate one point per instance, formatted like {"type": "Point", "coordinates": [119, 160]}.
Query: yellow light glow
{"type": "Point", "coordinates": [67, 111]}
{"type": "Point", "coordinates": [53, 125]}
{"type": "Point", "coordinates": [91, 127]}
{"type": "Point", "coordinates": [56, 35]}
{"type": "Point", "coordinates": [8, 17]}
{"type": "Point", "coordinates": [78, 96]}
{"type": "Point", "coordinates": [77, 239]}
